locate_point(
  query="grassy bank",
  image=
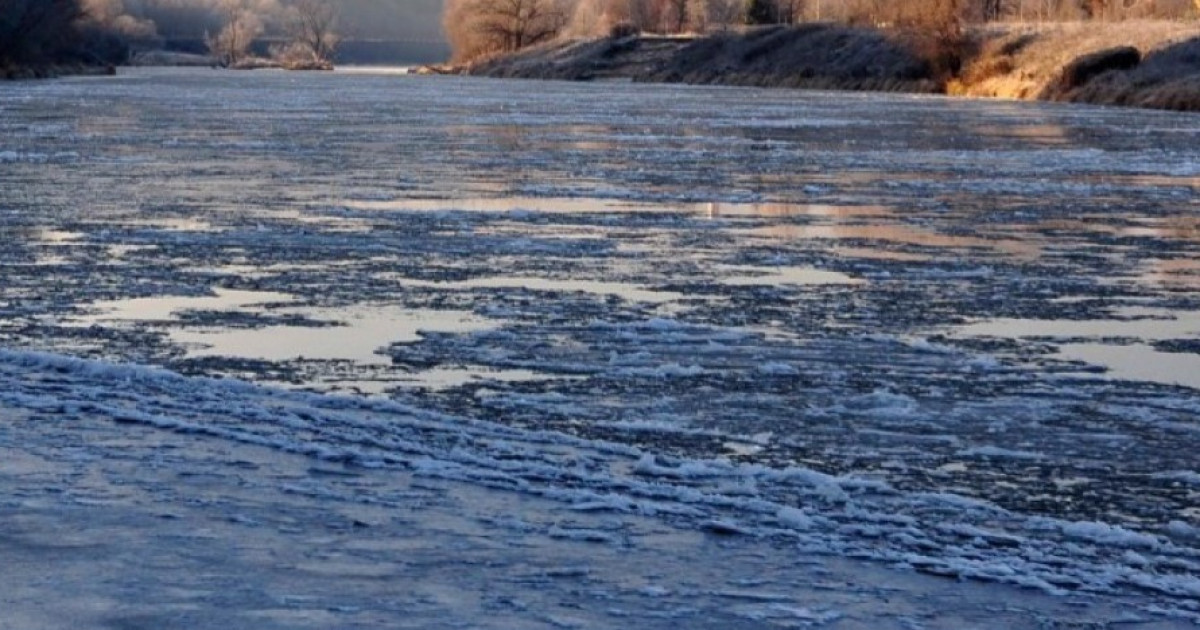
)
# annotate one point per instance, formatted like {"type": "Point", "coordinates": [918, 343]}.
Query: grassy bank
{"type": "Point", "coordinates": [817, 56]}
{"type": "Point", "coordinates": [1145, 64]}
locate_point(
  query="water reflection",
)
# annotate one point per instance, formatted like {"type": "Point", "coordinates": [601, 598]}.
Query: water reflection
{"type": "Point", "coordinates": [577, 205]}
{"type": "Point", "coordinates": [872, 253]}
{"type": "Point", "coordinates": [166, 308]}
{"type": "Point", "coordinates": [1145, 180]}
{"type": "Point", "coordinates": [118, 252]}
{"type": "Point", "coordinates": [626, 291]}
{"type": "Point", "coordinates": [362, 333]}
{"type": "Point", "coordinates": [440, 378]}
{"type": "Point", "coordinates": [1137, 362]}
{"type": "Point", "coordinates": [509, 204]}
{"type": "Point", "coordinates": [1132, 322]}
{"type": "Point", "coordinates": [168, 223]}
{"type": "Point", "coordinates": [1116, 344]}
{"type": "Point", "coordinates": [372, 70]}
{"type": "Point", "coordinates": [893, 233]}
{"type": "Point", "coordinates": [58, 237]}
{"type": "Point", "coordinates": [773, 276]}
{"type": "Point", "coordinates": [786, 210]}
{"type": "Point", "coordinates": [1178, 273]}
{"type": "Point", "coordinates": [1036, 135]}
{"type": "Point", "coordinates": [1176, 228]}
{"type": "Point", "coordinates": [1172, 228]}
{"type": "Point", "coordinates": [354, 334]}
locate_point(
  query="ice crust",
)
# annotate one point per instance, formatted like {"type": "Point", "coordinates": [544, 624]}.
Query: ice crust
{"type": "Point", "coordinates": [793, 507]}
{"type": "Point", "coordinates": [809, 329]}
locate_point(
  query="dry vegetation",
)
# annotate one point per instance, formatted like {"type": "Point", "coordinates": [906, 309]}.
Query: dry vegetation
{"type": "Point", "coordinates": [1167, 78]}
{"type": "Point", "coordinates": [818, 56]}
{"type": "Point", "coordinates": [811, 56]}
{"type": "Point", "coordinates": [1098, 51]}
{"type": "Point", "coordinates": [482, 28]}
{"type": "Point", "coordinates": [242, 24]}
{"type": "Point", "coordinates": [39, 35]}
{"type": "Point", "coordinates": [34, 32]}
{"type": "Point", "coordinates": [310, 27]}
{"type": "Point", "coordinates": [1088, 62]}
{"type": "Point", "coordinates": [478, 28]}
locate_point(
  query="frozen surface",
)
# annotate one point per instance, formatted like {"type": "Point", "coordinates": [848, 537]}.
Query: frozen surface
{"type": "Point", "coordinates": [139, 498]}
{"type": "Point", "coordinates": [339, 350]}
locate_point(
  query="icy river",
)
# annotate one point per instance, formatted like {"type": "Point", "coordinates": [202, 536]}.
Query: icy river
{"type": "Point", "coordinates": [355, 350]}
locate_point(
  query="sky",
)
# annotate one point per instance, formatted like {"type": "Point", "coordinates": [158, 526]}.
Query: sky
{"type": "Point", "coordinates": [393, 19]}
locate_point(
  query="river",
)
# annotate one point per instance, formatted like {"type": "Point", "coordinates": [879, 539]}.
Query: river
{"type": "Point", "coordinates": [959, 337]}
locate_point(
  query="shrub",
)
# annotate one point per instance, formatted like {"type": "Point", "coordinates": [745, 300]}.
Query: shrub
{"type": "Point", "coordinates": [298, 56]}
{"type": "Point", "coordinates": [312, 27]}
{"type": "Point", "coordinates": [761, 12]}
{"type": "Point", "coordinates": [478, 28]}
{"type": "Point", "coordinates": [1083, 69]}
{"type": "Point", "coordinates": [621, 30]}
{"type": "Point", "coordinates": [232, 43]}
{"type": "Point", "coordinates": [38, 31]}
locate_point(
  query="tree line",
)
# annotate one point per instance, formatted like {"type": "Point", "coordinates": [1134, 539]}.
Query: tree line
{"type": "Point", "coordinates": [479, 28]}
{"type": "Point", "coordinates": [37, 31]}
{"type": "Point", "coordinates": [34, 32]}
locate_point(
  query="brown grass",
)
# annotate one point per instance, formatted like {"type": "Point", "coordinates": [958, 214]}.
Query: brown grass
{"type": "Point", "coordinates": [1023, 61]}
{"type": "Point", "coordinates": [1167, 78]}
{"type": "Point", "coordinates": [813, 56]}
{"type": "Point", "coordinates": [582, 60]}
{"type": "Point", "coordinates": [817, 56]}
{"type": "Point", "coordinates": [1049, 62]}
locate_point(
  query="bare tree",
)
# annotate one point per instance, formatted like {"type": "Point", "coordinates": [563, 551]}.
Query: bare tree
{"type": "Point", "coordinates": [647, 15]}
{"type": "Point", "coordinates": [677, 15]}
{"type": "Point", "coordinates": [721, 15]}
{"type": "Point", "coordinates": [991, 10]}
{"type": "Point", "coordinates": [33, 31]}
{"type": "Point", "coordinates": [480, 27]}
{"type": "Point", "coordinates": [865, 12]}
{"type": "Point", "coordinates": [588, 19]}
{"type": "Point", "coordinates": [114, 17]}
{"type": "Point", "coordinates": [312, 26]}
{"type": "Point", "coordinates": [242, 25]}
{"type": "Point", "coordinates": [1050, 10]}
{"type": "Point", "coordinates": [935, 16]}
{"type": "Point", "coordinates": [1153, 9]}
{"type": "Point", "coordinates": [790, 11]}
{"type": "Point", "coordinates": [780, 11]}
{"type": "Point", "coordinates": [759, 12]}
{"type": "Point", "coordinates": [520, 23]}
{"type": "Point", "coordinates": [1101, 9]}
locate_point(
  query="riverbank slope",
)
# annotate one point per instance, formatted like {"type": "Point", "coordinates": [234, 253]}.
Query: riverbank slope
{"type": "Point", "coordinates": [52, 71]}
{"type": "Point", "coordinates": [1146, 64]}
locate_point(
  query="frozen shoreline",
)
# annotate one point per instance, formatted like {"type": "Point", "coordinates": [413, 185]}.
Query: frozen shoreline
{"type": "Point", "coordinates": [146, 454]}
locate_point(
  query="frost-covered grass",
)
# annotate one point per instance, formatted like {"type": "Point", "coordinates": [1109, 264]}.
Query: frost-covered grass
{"type": "Point", "coordinates": [1001, 60]}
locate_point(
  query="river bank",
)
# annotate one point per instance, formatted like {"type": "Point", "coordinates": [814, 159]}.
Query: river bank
{"type": "Point", "coordinates": [53, 71]}
{"type": "Point", "coordinates": [1144, 64]}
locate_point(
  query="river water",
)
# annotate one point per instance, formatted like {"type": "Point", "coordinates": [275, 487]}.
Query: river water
{"type": "Point", "coordinates": [918, 296]}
